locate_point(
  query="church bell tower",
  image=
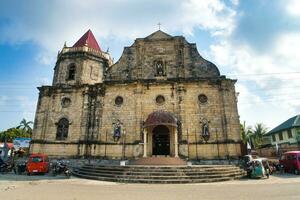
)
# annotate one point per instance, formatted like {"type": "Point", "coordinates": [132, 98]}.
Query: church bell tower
{"type": "Point", "coordinates": [83, 63]}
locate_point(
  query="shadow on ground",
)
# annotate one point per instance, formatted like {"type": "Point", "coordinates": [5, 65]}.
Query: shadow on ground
{"type": "Point", "coordinates": [23, 177]}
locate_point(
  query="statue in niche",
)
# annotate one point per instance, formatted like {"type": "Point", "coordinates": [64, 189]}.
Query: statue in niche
{"type": "Point", "coordinates": [160, 71]}
{"type": "Point", "coordinates": [205, 129]}
{"type": "Point", "coordinates": [117, 130]}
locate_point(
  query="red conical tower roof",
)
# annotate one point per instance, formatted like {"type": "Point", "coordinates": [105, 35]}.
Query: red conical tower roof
{"type": "Point", "coordinates": [89, 40]}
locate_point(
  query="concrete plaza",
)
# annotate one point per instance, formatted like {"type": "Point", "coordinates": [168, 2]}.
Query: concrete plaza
{"type": "Point", "coordinates": [45, 187]}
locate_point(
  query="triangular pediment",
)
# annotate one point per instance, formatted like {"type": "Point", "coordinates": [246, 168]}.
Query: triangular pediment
{"type": "Point", "coordinates": [158, 35]}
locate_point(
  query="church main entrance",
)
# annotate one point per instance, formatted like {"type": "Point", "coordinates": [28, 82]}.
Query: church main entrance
{"type": "Point", "coordinates": [161, 140]}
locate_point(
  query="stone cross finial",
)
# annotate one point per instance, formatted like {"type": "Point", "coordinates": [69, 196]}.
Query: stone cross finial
{"type": "Point", "coordinates": [159, 24]}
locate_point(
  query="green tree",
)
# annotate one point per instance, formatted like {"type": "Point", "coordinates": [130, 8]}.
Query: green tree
{"type": "Point", "coordinates": [246, 132]}
{"type": "Point", "coordinates": [25, 126]}
{"type": "Point", "coordinates": [258, 132]}
{"type": "Point", "coordinates": [23, 130]}
{"type": "Point", "coordinates": [12, 133]}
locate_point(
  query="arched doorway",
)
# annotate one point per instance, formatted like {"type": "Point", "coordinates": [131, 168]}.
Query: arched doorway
{"type": "Point", "coordinates": [160, 134]}
{"type": "Point", "coordinates": [161, 140]}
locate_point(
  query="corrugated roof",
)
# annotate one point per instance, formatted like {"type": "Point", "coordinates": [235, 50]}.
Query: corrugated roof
{"type": "Point", "coordinates": [89, 40]}
{"type": "Point", "coordinates": [290, 123]}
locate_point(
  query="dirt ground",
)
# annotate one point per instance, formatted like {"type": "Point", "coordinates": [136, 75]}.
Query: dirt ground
{"type": "Point", "coordinates": [46, 187]}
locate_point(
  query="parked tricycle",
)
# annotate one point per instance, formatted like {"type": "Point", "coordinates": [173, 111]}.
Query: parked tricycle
{"type": "Point", "coordinates": [37, 163]}
{"type": "Point", "coordinates": [259, 168]}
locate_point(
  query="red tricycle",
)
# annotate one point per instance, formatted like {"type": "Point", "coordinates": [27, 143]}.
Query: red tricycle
{"type": "Point", "coordinates": [37, 163]}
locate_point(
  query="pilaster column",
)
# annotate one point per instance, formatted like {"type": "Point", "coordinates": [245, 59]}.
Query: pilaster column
{"type": "Point", "coordinates": [176, 142]}
{"type": "Point", "coordinates": [145, 143]}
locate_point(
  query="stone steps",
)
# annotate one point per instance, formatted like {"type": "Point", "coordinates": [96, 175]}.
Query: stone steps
{"type": "Point", "coordinates": [159, 161]}
{"type": "Point", "coordinates": [157, 181]}
{"type": "Point", "coordinates": [158, 166]}
{"type": "Point", "coordinates": [162, 168]}
{"type": "Point", "coordinates": [155, 172]}
{"type": "Point", "coordinates": [160, 174]}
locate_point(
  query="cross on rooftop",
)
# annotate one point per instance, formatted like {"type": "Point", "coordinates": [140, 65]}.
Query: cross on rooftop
{"type": "Point", "coordinates": [159, 24]}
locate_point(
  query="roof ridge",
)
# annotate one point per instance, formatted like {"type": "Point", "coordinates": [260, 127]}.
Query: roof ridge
{"type": "Point", "coordinates": [166, 35]}
{"type": "Point", "coordinates": [289, 123]}
{"type": "Point", "coordinates": [88, 39]}
{"type": "Point", "coordinates": [296, 120]}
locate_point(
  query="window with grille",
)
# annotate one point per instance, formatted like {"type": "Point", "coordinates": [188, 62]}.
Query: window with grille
{"type": "Point", "coordinates": [280, 136]}
{"type": "Point", "coordinates": [274, 138]}
{"type": "Point", "coordinates": [289, 132]}
{"type": "Point", "coordinates": [62, 129]}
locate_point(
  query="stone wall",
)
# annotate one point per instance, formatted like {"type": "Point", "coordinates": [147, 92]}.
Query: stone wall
{"type": "Point", "coordinates": [179, 58]}
{"type": "Point", "coordinates": [137, 79]}
{"type": "Point", "coordinates": [89, 68]}
{"type": "Point", "coordinates": [50, 111]}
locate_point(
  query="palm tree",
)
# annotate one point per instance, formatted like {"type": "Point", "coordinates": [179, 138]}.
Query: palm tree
{"type": "Point", "coordinates": [245, 132]}
{"type": "Point", "coordinates": [25, 126]}
{"type": "Point", "coordinates": [259, 131]}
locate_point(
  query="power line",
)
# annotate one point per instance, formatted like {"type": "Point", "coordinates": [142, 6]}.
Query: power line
{"type": "Point", "coordinates": [15, 111]}
{"type": "Point", "coordinates": [251, 103]}
{"type": "Point", "coordinates": [229, 74]}
{"type": "Point", "coordinates": [261, 96]}
{"type": "Point", "coordinates": [263, 74]}
{"type": "Point", "coordinates": [267, 101]}
{"type": "Point", "coordinates": [276, 88]}
{"type": "Point", "coordinates": [268, 80]}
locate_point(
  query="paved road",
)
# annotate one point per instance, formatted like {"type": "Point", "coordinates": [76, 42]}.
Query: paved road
{"type": "Point", "coordinates": [38, 187]}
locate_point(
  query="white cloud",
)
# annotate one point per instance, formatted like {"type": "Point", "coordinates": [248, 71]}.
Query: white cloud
{"type": "Point", "coordinates": [211, 15]}
{"type": "Point", "coordinates": [45, 58]}
{"type": "Point", "coordinates": [273, 96]}
{"type": "Point", "coordinates": [287, 49]}
{"type": "Point", "coordinates": [293, 7]}
{"type": "Point", "coordinates": [3, 101]}
{"type": "Point", "coordinates": [116, 21]}
{"type": "Point", "coordinates": [235, 2]}
{"type": "Point", "coordinates": [27, 105]}
{"type": "Point", "coordinates": [50, 24]}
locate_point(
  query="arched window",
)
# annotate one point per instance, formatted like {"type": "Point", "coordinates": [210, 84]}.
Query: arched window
{"type": "Point", "coordinates": [72, 72]}
{"type": "Point", "coordinates": [160, 68]}
{"type": "Point", "coordinates": [62, 129]}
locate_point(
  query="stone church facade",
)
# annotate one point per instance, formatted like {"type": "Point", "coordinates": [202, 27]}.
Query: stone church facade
{"type": "Point", "coordinates": [160, 98]}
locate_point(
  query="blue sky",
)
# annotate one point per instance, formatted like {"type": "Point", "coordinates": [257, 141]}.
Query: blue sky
{"type": "Point", "coordinates": [256, 42]}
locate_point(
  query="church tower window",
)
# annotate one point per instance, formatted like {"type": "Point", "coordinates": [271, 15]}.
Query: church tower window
{"type": "Point", "coordinates": [62, 129]}
{"type": "Point", "coordinates": [72, 72]}
{"type": "Point", "coordinates": [160, 68]}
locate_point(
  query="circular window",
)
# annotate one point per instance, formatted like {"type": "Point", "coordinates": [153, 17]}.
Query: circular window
{"type": "Point", "coordinates": [202, 98]}
{"type": "Point", "coordinates": [160, 99]}
{"type": "Point", "coordinates": [65, 102]}
{"type": "Point", "coordinates": [119, 100]}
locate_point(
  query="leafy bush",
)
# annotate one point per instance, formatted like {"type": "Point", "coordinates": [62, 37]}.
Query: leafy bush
{"type": "Point", "coordinates": [13, 133]}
